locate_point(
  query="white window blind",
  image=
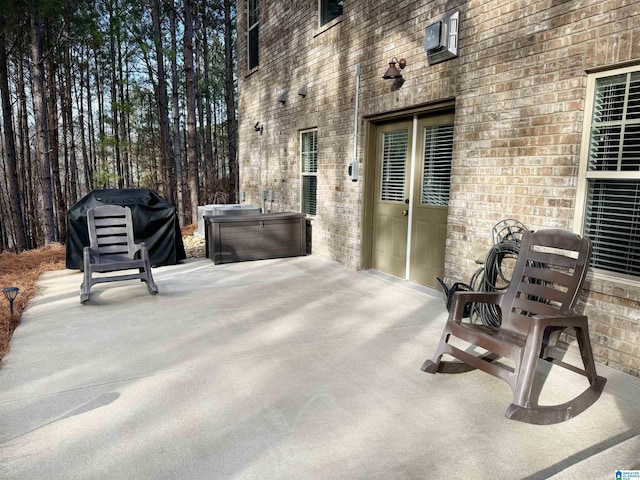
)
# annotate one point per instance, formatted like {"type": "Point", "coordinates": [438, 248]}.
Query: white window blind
{"type": "Point", "coordinates": [309, 151]}
{"type": "Point", "coordinates": [615, 127]}
{"type": "Point", "coordinates": [612, 210]}
{"type": "Point", "coordinates": [309, 168]}
{"type": "Point", "coordinates": [613, 224]}
{"type": "Point", "coordinates": [436, 165]}
{"type": "Point", "coordinates": [394, 161]}
{"type": "Point", "coordinates": [309, 194]}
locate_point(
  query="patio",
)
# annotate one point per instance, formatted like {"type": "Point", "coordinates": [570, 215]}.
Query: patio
{"type": "Point", "coordinates": [277, 369]}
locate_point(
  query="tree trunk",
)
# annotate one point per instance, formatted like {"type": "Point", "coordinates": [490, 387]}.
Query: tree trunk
{"type": "Point", "coordinates": [175, 103]}
{"type": "Point", "coordinates": [216, 137]}
{"type": "Point", "coordinates": [54, 151]}
{"type": "Point", "coordinates": [230, 100]}
{"type": "Point", "coordinates": [88, 171]}
{"type": "Point", "coordinates": [113, 28]}
{"type": "Point", "coordinates": [189, 73]}
{"type": "Point", "coordinates": [200, 41]}
{"type": "Point", "coordinates": [40, 114]}
{"type": "Point", "coordinates": [168, 162]}
{"type": "Point", "coordinates": [100, 165]}
{"type": "Point", "coordinates": [122, 125]}
{"type": "Point", "coordinates": [129, 140]}
{"type": "Point", "coordinates": [73, 159]}
{"type": "Point", "coordinates": [10, 145]}
{"type": "Point", "coordinates": [27, 168]}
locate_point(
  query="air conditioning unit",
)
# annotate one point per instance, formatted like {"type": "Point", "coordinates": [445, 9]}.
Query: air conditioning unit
{"type": "Point", "coordinates": [441, 39]}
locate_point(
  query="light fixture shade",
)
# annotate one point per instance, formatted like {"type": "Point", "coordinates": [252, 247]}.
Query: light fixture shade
{"type": "Point", "coordinates": [392, 72]}
{"type": "Point", "coordinates": [10, 293]}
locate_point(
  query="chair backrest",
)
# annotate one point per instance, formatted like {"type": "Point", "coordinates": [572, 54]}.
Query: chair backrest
{"type": "Point", "coordinates": [111, 233]}
{"type": "Point", "coordinates": [550, 269]}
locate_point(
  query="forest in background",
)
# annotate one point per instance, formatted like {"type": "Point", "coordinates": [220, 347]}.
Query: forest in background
{"type": "Point", "coordinates": [113, 94]}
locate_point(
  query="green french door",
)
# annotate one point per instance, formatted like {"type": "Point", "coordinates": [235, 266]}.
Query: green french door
{"type": "Point", "coordinates": [413, 176]}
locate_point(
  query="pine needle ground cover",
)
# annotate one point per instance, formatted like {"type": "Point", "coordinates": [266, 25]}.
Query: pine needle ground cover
{"type": "Point", "coordinates": [22, 270]}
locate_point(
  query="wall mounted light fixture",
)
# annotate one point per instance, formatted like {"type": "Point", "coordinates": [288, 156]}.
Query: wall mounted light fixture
{"type": "Point", "coordinates": [258, 127]}
{"type": "Point", "coordinates": [393, 72]}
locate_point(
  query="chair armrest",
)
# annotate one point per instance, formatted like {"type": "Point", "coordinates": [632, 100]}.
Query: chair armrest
{"type": "Point", "coordinates": [460, 299]}
{"type": "Point", "coordinates": [143, 250]}
{"type": "Point", "coordinates": [570, 320]}
{"type": "Point", "coordinates": [137, 249]}
{"type": "Point", "coordinates": [90, 254]}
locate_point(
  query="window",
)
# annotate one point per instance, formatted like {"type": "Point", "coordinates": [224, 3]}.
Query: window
{"type": "Point", "coordinates": [252, 33]}
{"type": "Point", "coordinates": [436, 165]}
{"type": "Point", "coordinates": [330, 9]}
{"type": "Point", "coordinates": [309, 169]}
{"type": "Point", "coordinates": [609, 181]}
{"type": "Point", "coordinates": [394, 165]}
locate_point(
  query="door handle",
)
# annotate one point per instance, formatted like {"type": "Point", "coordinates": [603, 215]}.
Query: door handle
{"type": "Point", "coordinates": [405, 213]}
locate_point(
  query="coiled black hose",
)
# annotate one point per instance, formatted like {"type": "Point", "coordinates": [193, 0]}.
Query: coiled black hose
{"type": "Point", "coordinates": [493, 276]}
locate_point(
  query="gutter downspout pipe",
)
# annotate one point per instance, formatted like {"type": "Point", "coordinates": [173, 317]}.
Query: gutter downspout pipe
{"type": "Point", "coordinates": [356, 113]}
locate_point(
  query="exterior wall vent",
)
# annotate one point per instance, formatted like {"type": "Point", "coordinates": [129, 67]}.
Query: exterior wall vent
{"type": "Point", "coordinates": [441, 39]}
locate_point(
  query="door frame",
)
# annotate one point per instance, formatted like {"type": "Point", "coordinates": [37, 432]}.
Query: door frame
{"type": "Point", "coordinates": [369, 162]}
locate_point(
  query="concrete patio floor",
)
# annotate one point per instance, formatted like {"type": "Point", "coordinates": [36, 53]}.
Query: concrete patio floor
{"type": "Point", "coordinates": [279, 369]}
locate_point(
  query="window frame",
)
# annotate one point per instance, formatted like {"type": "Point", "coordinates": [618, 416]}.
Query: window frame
{"type": "Point", "coordinates": [322, 7]}
{"type": "Point", "coordinates": [251, 28]}
{"type": "Point", "coordinates": [585, 175]}
{"type": "Point", "coordinates": [310, 174]}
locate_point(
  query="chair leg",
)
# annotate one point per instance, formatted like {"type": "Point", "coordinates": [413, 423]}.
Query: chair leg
{"type": "Point", "coordinates": [151, 285]}
{"type": "Point", "coordinates": [548, 415]}
{"type": "Point", "coordinates": [445, 366]}
{"type": "Point", "coordinates": [525, 368]}
{"type": "Point", "coordinates": [524, 410]}
{"type": "Point", "coordinates": [437, 365]}
{"type": "Point", "coordinates": [433, 365]}
{"type": "Point", "coordinates": [453, 366]}
{"type": "Point", "coordinates": [584, 344]}
{"type": "Point", "coordinates": [85, 287]}
{"type": "Point", "coordinates": [148, 276]}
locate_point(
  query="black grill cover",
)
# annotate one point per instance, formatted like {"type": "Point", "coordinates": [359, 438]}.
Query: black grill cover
{"type": "Point", "coordinates": [154, 222]}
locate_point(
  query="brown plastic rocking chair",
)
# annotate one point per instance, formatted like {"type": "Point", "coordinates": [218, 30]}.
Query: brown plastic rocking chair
{"type": "Point", "coordinates": [534, 311]}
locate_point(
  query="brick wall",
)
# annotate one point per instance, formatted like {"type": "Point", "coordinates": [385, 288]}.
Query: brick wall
{"type": "Point", "coordinates": [519, 87]}
{"type": "Point", "coordinates": [519, 119]}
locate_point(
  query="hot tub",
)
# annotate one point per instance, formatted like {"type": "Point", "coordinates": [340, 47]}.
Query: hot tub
{"type": "Point", "coordinates": [227, 209]}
